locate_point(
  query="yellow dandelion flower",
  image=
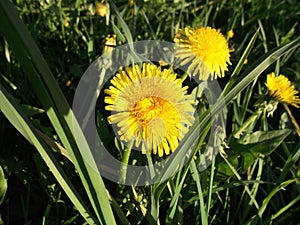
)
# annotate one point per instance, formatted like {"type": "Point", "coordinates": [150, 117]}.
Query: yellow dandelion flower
{"type": "Point", "coordinates": [230, 33]}
{"type": "Point", "coordinates": [109, 43]}
{"type": "Point", "coordinates": [130, 3]}
{"type": "Point", "coordinates": [101, 9]}
{"type": "Point", "coordinates": [205, 51]}
{"type": "Point", "coordinates": [66, 23]}
{"type": "Point", "coordinates": [149, 106]}
{"type": "Point", "coordinates": [281, 89]}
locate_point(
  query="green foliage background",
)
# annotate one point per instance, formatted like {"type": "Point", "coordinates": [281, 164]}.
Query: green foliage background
{"type": "Point", "coordinates": [258, 181]}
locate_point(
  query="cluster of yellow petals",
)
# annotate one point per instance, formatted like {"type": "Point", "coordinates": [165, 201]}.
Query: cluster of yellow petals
{"type": "Point", "coordinates": [149, 106]}
{"type": "Point", "coordinates": [102, 8]}
{"type": "Point", "coordinates": [109, 42]}
{"type": "Point", "coordinates": [281, 89]}
{"type": "Point", "coordinates": [205, 51]}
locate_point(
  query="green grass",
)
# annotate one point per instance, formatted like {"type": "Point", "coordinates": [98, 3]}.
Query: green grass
{"type": "Point", "coordinates": [253, 180]}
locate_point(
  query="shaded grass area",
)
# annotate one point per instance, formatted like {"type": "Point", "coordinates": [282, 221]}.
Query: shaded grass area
{"type": "Point", "coordinates": [70, 36]}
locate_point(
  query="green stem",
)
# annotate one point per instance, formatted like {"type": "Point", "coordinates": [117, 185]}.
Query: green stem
{"type": "Point", "coordinates": [125, 160]}
{"type": "Point", "coordinates": [184, 76]}
{"type": "Point", "coordinates": [294, 121]}
{"type": "Point", "coordinates": [211, 180]}
{"type": "Point", "coordinates": [154, 210]}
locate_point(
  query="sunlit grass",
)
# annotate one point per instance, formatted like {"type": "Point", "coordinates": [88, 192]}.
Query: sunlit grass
{"type": "Point", "coordinates": [253, 180]}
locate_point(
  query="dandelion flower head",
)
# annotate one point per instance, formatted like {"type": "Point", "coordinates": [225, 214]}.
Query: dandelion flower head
{"type": "Point", "coordinates": [281, 89]}
{"type": "Point", "coordinates": [149, 106]}
{"type": "Point", "coordinates": [205, 51]}
{"type": "Point", "coordinates": [109, 43]}
{"type": "Point", "coordinates": [101, 9]}
{"type": "Point", "coordinates": [230, 33]}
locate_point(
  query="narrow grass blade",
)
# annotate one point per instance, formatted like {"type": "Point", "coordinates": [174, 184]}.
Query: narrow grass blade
{"type": "Point", "coordinates": [14, 114]}
{"type": "Point", "coordinates": [56, 106]}
{"type": "Point", "coordinates": [126, 30]}
{"type": "Point", "coordinates": [195, 175]}
{"type": "Point", "coordinates": [285, 208]}
{"type": "Point", "coordinates": [258, 216]}
{"type": "Point", "coordinates": [3, 185]}
{"type": "Point", "coordinates": [244, 56]}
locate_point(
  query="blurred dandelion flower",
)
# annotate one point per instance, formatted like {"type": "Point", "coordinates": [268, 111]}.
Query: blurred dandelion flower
{"type": "Point", "coordinates": [281, 89]}
{"type": "Point", "coordinates": [66, 23]}
{"type": "Point", "coordinates": [205, 51]}
{"type": "Point", "coordinates": [101, 9]}
{"type": "Point", "coordinates": [149, 106]}
{"type": "Point", "coordinates": [230, 33]}
{"type": "Point", "coordinates": [109, 43]}
{"type": "Point", "coordinates": [130, 3]}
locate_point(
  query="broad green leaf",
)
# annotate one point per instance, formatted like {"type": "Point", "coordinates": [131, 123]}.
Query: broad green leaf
{"type": "Point", "coordinates": [3, 185]}
{"type": "Point", "coordinates": [263, 142]}
{"type": "Point", "coordinates": [244, 151]}
{"type": "Point", "coordinates": [252, 145]}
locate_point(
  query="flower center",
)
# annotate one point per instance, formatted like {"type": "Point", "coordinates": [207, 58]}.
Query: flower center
{"type": "Point", "coordinates": [147, 108]}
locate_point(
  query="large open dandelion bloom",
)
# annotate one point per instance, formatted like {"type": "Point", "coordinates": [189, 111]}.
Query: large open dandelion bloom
{"type": "Point", "coordinates": [149, 106]}
{"type": "Point", "coordinates": [205, 51]}
{"type": "Point", "coordinates": [281, 89]}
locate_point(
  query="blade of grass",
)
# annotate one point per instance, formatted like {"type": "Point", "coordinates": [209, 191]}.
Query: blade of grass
{"type": "Point", "coordinates": [252, 197]}
{"type": "Point", "coordinates": [291, 160]}
{"type": "Point", "coordinates": [244, 56]}
{"type": "Point", "coordinates": [14, 114]}
{"type": "Point", "coordinates": [255, 70]}
{"type": "Point", "coordinates": [223, 188]}
{"type": "Point", "coordinates": [285, 208]}
{"type": "Point", "coordinates": [126, 30]}
{"type": "Point", "coordinates": [118, 210]}
{"type": "Point", "coordinates": [258, 216]}
{"type": "Point", "coordinates": [254, 190]}
{"type": "Point", "coordinates": [181, 179]}
{"type": "Point", "coordinates": [210, 188]}
{"type": "Point", "coordinates": [203, 211]}
{"type": "Point", "coordinates": [53, 144]}
{"type": "Point", "coordinates": [3, 185]}
{"type": "Point", "coordinates": [56, 107]}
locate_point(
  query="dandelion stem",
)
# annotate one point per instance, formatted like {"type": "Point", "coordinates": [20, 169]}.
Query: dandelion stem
{"type": "Point", "coordinates": [125, 160]}
{"type": "Point", "coordinates": [294, 121]}
{"type": "Point", "coordinates": [184, 76]}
